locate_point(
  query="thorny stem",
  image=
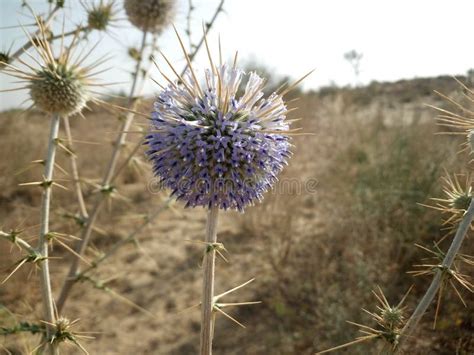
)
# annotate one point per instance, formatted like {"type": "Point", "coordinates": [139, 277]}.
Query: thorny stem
{"type": "Point", "coordinates": [75, 171]}
{"type": "Point", "coordinates": [438, 277]}
{"type": "Point", "coordinates": [86, 233]}
{"type": "Point", "coordinates": [207, 326]}
{"type": "Point", "coordinates": [45, 281]}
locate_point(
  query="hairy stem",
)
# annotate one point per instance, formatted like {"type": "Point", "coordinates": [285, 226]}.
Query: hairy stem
{"type": "Point", "coordinates": [209, 262]}
{"type": "Point", "coordinates": [86, 232]}
{"type": "Point", "coordinates": [45, 281]}
{"type": "Point", "coordinates": [437, 281]}
{"type": "Point", "coordinates": [75, 171]}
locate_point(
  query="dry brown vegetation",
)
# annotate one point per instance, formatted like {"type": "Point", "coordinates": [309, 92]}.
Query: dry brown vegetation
{"type": "Point", "coordinates": [315, 255]}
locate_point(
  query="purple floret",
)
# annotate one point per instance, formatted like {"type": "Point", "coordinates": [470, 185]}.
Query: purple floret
{"type": "Point", "coordinates": [214, 151]}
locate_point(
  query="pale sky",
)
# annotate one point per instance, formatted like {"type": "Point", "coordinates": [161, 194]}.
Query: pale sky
{"type": "Point", "coordinates": [398, 38]}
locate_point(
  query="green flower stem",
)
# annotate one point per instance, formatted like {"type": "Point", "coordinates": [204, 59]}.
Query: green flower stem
{"type": "Point", "coordinates": [209, 263]}
{"type": "Point", "coordinates": [438, 277]}
{"type": "Point", "coordinates": [45, 280]}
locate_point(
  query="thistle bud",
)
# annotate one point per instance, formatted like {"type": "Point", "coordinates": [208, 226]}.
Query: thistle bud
{"type": "Point", "coordinates": [392, 316]}
{"type": "Point", "coordinates": [100, 16]}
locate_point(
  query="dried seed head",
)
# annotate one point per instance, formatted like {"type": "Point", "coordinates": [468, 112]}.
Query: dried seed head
{"type": "Point", "coordinates": [99, 16]}
{"type": "Point", "coordinates": [150, 15]}
{"type": "Point", "coordinates": [58, 89]}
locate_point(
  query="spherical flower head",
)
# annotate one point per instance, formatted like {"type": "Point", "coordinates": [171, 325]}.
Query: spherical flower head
{"type": "Point", "coordinates": [221, 145]}
{"type": "Point", "coordinates": [58, 89]}
{"type": "Point", "coordinates": [150, 15]}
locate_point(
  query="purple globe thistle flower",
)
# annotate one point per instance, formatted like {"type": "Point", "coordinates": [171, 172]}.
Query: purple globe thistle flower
{"type": "Point", "coordinates": [221, 144]}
